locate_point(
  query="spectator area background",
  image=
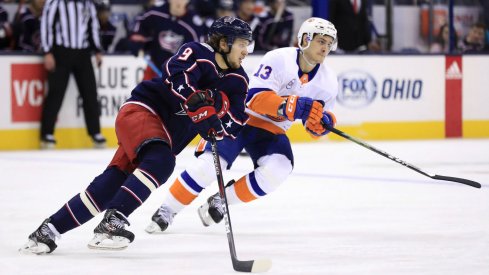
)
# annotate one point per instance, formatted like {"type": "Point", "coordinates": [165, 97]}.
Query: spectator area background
{"type": "Point", "coordinates": [405, 35]}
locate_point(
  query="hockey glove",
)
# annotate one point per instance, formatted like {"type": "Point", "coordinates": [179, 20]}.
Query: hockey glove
{"type": "Point", "coordinates": [319, 129]}
{"type": "Point", "coordinates": [200, 108]}
{"type": "Point", "coordinates": [221, 102]}
{"type": "Point", "coordinates": [304, 108]}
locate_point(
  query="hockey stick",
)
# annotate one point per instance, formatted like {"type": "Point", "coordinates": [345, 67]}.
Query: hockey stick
{"type": "Point", "coordinates": [400, 161]}
{"type": "Point", "coordinates": [261, 265]}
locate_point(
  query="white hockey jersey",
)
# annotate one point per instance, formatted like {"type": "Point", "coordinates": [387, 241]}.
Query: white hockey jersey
{"type": "Point", "coordinates": [279, 74]}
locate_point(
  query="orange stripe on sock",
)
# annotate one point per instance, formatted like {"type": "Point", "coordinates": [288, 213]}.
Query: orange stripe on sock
{"type": "Point", "coordinates": [242, 191]}
{"type": "Point", "coordinates": [201, 145]}
{"type": "Point", "coordinates": [181, 194]}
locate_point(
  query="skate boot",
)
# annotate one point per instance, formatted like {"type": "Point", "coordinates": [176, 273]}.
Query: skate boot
{"type": "Point", "coordinates": [41, 241]}
{"type": "Point", "coordinates": [99, 141]}
{"type": "Point", "coordinates": [48, 142]}
{"type": "Point", "coordinates": [212, 211]}
{"type": "Point", "coordinates": [161, 219]}
{"type": "Point", "coordinates": [110, 233]}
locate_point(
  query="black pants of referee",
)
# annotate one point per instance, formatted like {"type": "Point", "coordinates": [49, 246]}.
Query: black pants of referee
{"type": "Point", "coordinates": [78, 62]}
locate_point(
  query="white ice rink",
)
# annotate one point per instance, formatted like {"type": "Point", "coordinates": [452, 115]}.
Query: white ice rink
{"type": "Point", "coordinates": [344, 210]}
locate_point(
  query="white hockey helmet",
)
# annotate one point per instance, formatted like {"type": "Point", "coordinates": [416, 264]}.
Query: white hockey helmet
{"type": "Point", "coordinates": [318, 25]}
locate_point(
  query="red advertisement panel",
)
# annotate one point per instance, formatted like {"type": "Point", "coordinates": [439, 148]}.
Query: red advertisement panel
{"type": "Point", "coordinates": [28, 86]}
{"type": "Point", "coordinates": [453, 96]}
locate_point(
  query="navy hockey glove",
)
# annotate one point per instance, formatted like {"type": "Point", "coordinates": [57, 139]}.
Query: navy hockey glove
{"type": "Point", "coordinates": [319, 129]}
{"type": "Point", "coordinates": [304, 108]}
{"type": "Point", "coordinates": [200, 108]}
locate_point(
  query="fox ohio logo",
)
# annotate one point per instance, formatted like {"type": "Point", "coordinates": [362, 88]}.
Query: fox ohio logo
{"type": "Point", "coordinates": [28, 86]}
{"type": "Point", "coordinates": [356, 89]}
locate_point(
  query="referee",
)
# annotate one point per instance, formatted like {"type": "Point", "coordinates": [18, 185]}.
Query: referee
{"type": "Point", "coordinates": [69, 34]}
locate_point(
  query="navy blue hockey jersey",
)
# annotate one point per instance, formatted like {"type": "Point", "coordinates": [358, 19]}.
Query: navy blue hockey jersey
{"type": "Point", "coordinates": [193, 68]}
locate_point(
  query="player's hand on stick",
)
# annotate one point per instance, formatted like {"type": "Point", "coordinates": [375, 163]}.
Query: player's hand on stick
{"type": "Point", "coordinates": [200, 108]}
{"type": "Point", "coordinates": [221, 102]}
{"type": "Point", "coordinates": [319, 129]}
{"type": "Point", "coordinates": [304, 108]}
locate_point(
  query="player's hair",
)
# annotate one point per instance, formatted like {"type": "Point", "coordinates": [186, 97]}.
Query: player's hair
{"type": "Point", "coordinates": [213, 41]}
{"type": "Point", "coordinates": [230, 28]}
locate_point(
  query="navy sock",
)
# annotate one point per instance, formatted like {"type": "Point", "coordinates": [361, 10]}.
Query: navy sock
{"type": "Point", "coordinates": [156, 165]}
{"type": "Point", "coordinates": [86, 205]}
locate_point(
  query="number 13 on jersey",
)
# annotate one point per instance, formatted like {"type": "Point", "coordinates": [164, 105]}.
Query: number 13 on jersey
{"type": "Point", "coordinates": [263, 72]}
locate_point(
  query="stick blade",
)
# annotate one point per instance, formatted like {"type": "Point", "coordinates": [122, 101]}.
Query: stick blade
{"type": "Point", "coordinates": [262, 265]}
{"type": "Point", "coordinates": [460, 180]}
{"type": "Point", "coordinates": [254, 266]}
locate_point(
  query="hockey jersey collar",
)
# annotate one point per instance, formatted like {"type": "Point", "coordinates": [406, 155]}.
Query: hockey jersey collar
{"type": "Point", "coordinates": [300, 73]}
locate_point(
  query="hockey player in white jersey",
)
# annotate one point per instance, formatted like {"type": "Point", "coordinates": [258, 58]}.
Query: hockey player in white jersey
{"type": "Point", "coordinates": [289, 84]}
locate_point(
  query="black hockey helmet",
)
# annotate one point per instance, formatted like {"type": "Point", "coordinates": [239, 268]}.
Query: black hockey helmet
{"type": "Point", "coordinates": [231, 28]}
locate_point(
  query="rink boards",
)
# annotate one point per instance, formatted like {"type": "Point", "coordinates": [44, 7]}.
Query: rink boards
{"type": "Point", "coordinates": [380, 97]}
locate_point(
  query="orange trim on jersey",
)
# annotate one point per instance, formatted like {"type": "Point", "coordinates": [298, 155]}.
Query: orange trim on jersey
{"type": "Point", "coordinates": [181, 194]}
{"type": "Point", "coordinates": [266, 103]}
{"type": "Point", "coordinates": [304, 78]}
{"type": "Point", "coordinates": [242, 191]}
{"type": "Point", "coordinates": [265, 125]}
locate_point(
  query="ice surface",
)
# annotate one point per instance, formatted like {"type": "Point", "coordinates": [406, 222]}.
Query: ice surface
{"type": "Point", "coordinates": [344, 210]}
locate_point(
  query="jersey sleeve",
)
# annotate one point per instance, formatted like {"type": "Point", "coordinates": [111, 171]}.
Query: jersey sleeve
{"type": "Point", "coordinates": [183, 71]}
{"type": "Point", "coordinates": [236, 117]}
{"type": "Point", "coordinates": [264, 84]}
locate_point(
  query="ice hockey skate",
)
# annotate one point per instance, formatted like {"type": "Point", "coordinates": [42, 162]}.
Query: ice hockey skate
{"type": "Point", "coordinates": [41, 241]}
{"type": "Point", "coordinates": [99, 141]}
{"type": "Point", "coordinates": [48, 142]}
{"type": "Point", "coordinates": [212, 211]}
{"type": "Point", "coordinates": [161, 219]}
{"type": "Point", "coordinates": [110, 233]}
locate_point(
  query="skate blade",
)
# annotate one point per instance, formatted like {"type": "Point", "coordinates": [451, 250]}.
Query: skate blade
{"type": "Point", "coordinates": [106, 242]}
{"type": "Point", "coordinates": [153, 228]}
{"type": "Point", "coordinates": [204, 216]}
{"type": "Point", "coordinates": [99, 145]}
{"type": "Point", "coordinates": [33, 248]}
{"type": "Point", "coordinates": [47, 145]}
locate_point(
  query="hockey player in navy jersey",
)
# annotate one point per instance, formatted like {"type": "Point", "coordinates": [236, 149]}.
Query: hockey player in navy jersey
{"type": "Point", "coordinates": [202, 91]}
{"type": "Point", "coordinates": [289, 84]}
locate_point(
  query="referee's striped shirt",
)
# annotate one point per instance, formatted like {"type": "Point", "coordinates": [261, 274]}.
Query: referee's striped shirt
{"type": "Point", "coordinates": [71, 24]}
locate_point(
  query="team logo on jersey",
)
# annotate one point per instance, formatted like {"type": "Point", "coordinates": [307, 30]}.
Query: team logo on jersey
{"type": "Point", "coordinates": [182, 111]}
{"type": "Point", "coordinates": [291, 84]}
{"type": "Point", "coordinates": [356, 89]}
{"type": "Point", "coordinates": [170, 41]}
